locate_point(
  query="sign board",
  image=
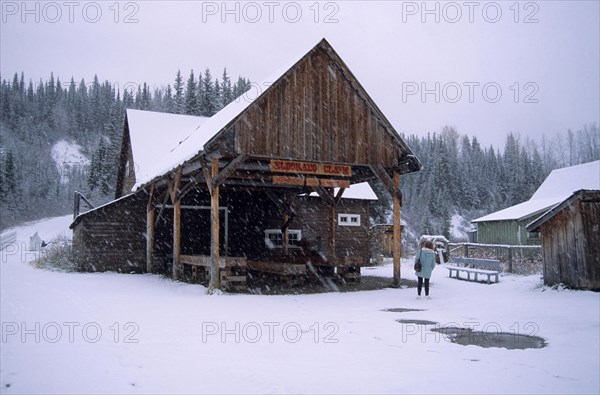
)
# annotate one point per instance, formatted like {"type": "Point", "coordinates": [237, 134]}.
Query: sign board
{"type": "Point", "coordinates": [323, 169]}
{"type": "Point", "coordinates": [311, 182]}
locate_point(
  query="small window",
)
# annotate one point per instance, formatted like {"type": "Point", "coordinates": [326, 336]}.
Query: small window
{"type": "Point", "coordinates": [274, 238]}
{"type": "Point", "coordinates": [533, 235]}
{"type": "Point", "coordinates": [348, 219]}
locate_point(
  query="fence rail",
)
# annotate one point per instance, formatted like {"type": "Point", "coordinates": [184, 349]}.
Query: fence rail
{"type": "Point", "coordinates": [503, 252]}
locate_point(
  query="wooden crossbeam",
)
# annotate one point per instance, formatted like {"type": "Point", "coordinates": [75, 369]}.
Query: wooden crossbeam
{"type": "Point", "coordinates": [228, 170]}
{"type": "Point", "coordinates": [380, 172]}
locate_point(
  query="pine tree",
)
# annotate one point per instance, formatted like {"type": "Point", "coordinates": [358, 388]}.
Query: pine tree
{"type": "Point", "coordinates": [208, 100]}
{"type": "Point", "coordinates": [168, 102]}
{"type": "Point", "coordinates": [227, 94]}
{"type": "Point", "coordinates": [191, 101]}
{"type": "Point", "coordinates": [178, 99]}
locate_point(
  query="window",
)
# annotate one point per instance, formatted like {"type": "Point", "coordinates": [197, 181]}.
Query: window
{"type": "Point", "coordinates": [274, 238]}
{"type": "Point", "coordinates": [533, 235]}
{"type": "Point", "coordinates": [348, 219]}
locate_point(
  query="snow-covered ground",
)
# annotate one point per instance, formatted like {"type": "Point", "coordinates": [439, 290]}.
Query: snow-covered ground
{"type": "Point", "coordinates": [115, 333]}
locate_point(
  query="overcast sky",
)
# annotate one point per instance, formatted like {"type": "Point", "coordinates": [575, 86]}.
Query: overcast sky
{"type": "Point", "coordinates": [486, 68]}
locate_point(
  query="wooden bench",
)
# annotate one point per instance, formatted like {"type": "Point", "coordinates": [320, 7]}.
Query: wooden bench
{"type": "Point", "coordinates": [484, 267]}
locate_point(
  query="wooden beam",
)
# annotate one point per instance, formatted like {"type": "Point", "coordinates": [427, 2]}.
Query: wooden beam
{"type": "Point", "coordinates": [339, 195]}
{"type": "Point", "coordinates": [397, 232]}
{"type": "Point", "coordinates": [173, 192]}
{"type": "Point", "coordinates": [162, 207]}
{"type": "Point", "coordinates": [176, 239]}
{"type": "Point", "coordinates": [388, 182]}
{"type": "Point", "coordinates": [228, 170]}
{"type": "Point", "coordinates": [215, 281]}
{"type": "Point", "coordinates": [332, 225]}
{"type": "Point", "coordinates": [150, 230]}
{"type": "Point", "coordinates": [326, 194]}
{"type": "Point", "coordinates": [285, 234]}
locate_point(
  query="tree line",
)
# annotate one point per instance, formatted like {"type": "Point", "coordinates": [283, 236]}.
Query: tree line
{"type": "Point", "coordinates": [34, 116]}
{"type": "Point", "coordinates": [459, 176]}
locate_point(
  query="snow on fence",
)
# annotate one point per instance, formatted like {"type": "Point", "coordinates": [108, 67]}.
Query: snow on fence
{"type": "Point", "coordinates": [515, 258]}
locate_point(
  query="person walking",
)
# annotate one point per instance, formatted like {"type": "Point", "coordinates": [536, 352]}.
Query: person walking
{"type": "Point", "coordinates": [426, 256]}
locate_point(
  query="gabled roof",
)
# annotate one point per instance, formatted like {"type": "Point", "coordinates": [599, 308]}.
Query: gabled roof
{"type": "Point", "coordinates": [591, 195]}
{"type": "Point", "coordinates": [228, 131]}
{"type": "Point", "coordinates": [156, 135]}
{"type": "Point", "coordinates": [558, 186]}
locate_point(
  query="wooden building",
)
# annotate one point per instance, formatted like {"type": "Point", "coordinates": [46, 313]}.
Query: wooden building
{"type": "Point", "coordinates": [570, 234]}
{"type": "Point", "coordinates": [509, 226]}
{"type": "Point", "coordinates": [227, 194]}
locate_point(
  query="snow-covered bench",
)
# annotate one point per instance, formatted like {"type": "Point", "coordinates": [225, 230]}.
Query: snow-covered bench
{"type": "Point", "coordinates": [484, 267]}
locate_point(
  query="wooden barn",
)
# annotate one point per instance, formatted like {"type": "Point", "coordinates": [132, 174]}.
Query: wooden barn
{"type": "Point", "coordinates": [264, 186]}
{"type": "Point", "coordinates": [509, 226]}
{"type": "Point", "coordinates": [570, 234]}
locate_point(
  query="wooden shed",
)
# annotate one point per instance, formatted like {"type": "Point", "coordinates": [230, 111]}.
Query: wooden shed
{"type": "Point", "coordinates": [570, 234]}
{"type": "Point", "coordinates": [227, 193]}
{"type": "Point", "coordinates": [509, 226]}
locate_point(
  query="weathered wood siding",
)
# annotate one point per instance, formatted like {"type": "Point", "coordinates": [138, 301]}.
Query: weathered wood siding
{"type": "Point", "coordinates": [113, 237]}
{"type": "Point", "coordinates": [126, 171]}
{"type": "Point", "coordinates": [353, 241]}
{"type": "Point", "coordinates": [506, 232]}
{"type": "Point", "coordinates": [314, 113]}
{"type": "Point", "coordinates": [571, 246]}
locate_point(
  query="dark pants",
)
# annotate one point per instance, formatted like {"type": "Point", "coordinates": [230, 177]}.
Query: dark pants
{"type": "Point", "coordinates": [420, 286]}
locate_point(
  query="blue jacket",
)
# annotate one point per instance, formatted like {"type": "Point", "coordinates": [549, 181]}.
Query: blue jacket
{"type": "Point", "coordinates": [427, 257]}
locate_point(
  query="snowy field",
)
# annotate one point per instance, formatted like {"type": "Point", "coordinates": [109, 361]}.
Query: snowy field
{"type": "Point", "coordinates": [114, 333]}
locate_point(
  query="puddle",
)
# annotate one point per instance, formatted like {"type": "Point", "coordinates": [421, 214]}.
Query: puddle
{"type": "Point", "coordinates": [510, 341]}
{"type": "Point", "coordinates": [417, 322]}
{"type": "Point", "coordinates": [401, 310]}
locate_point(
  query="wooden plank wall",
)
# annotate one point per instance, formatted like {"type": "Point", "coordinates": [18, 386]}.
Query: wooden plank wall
{"type": "Point", "coordinates": [570, 246]}
{"type": "Point", "coordinates": [112, 238]}
{"type": "Point", "coordinates": [312, 219]}
{"type": "Point", "coordinates": [314, 114]}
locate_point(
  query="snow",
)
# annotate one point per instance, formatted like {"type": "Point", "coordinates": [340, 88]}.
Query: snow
{"type": "Point", "coordinates": [118, 333]}
{"type": "Point", "coordinates": [558, 186]}
{"type": "Point", "coordinates": [67, 156]}
{"type": "Point", "coordinates": [155, 135]}
{"type": "Point", "coordinates": [360, 191]}
{"type": "Point", "coordinates": [457, 227]}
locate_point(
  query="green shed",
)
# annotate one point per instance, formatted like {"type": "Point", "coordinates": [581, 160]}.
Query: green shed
{"type": "Point", "coordinates": [509, 226]}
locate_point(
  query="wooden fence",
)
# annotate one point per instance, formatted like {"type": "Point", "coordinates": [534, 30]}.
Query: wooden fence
{"type": "Point", "coordinates": [515, 258]}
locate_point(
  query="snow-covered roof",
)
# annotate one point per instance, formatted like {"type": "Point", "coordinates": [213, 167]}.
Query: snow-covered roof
{"type": "Point", "coordinates": [156, 135]}
{"type": "Point", "coordinates": [213, 125]}
{"type": "Point", "coordinates": [581, 194]}
{"type": "Point", "coordinates": [558, 186]}
{"type": "Point", "coordinates": [360, 191]}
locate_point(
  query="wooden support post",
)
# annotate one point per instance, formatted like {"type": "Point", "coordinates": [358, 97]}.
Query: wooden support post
{"type": "Point", "coordinates": [510, 259]}
{"type": "Point", "coordinates": [331, 230]}
{"type": "Point", "coordinates": [150, 231]}
{"type": "Point", "coordinates": [285, 234]}
{"type": "Point", "coordinates": [466, 250]}
{"type": "Point", "coordinates": [176, 239]}
{"type": "Point", "coordinates": [174, 193]}
{"type": "Point", "coordinates": [215, 280]}
{"type": "Point", "coordinates": [397, 232]}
